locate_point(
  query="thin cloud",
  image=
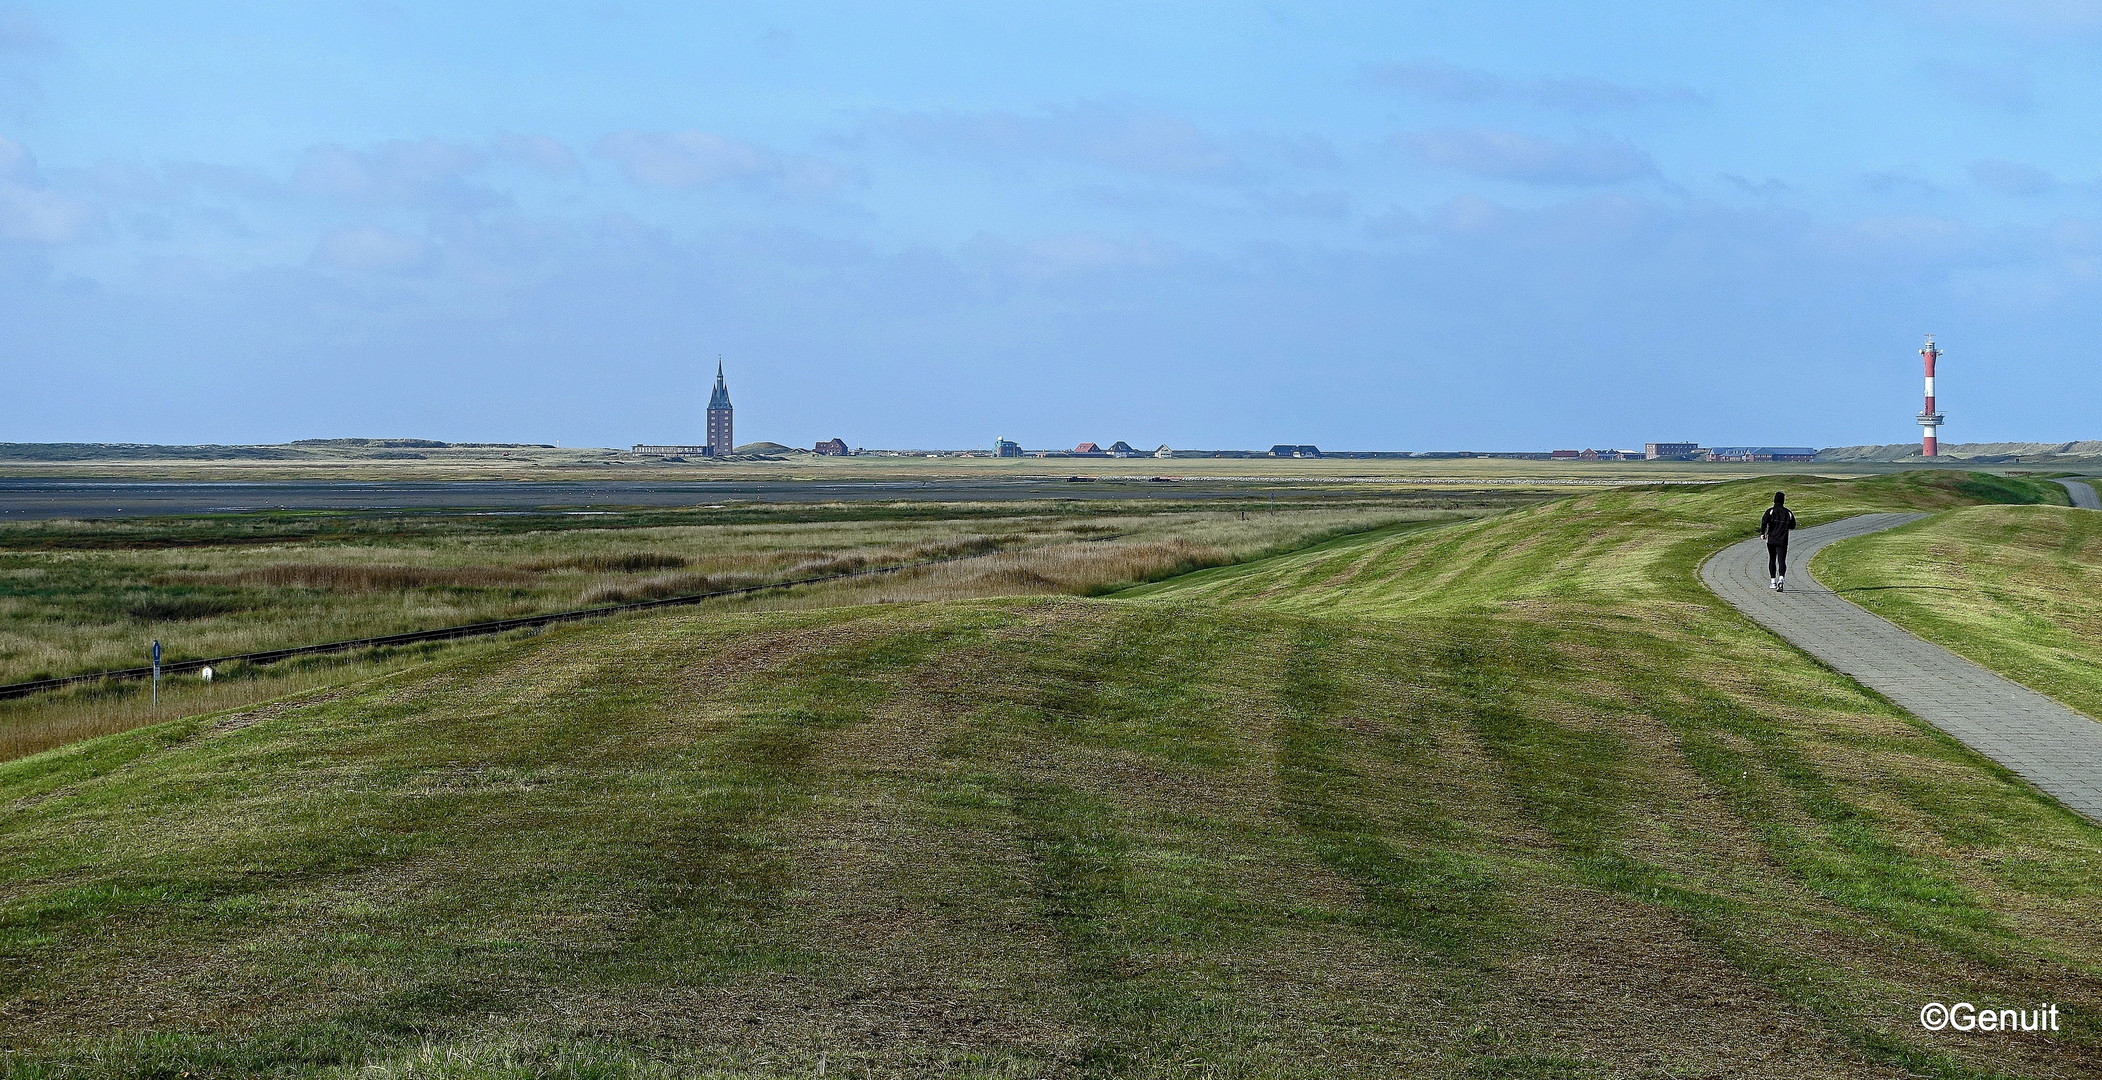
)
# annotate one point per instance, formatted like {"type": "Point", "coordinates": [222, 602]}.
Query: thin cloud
{"type": "Point", "coordinates": [2012, 177]}
{"type": "Point", "coordinates": [1142, 141]}
{"type": "Point", "coordinates": [1320, 205]}
{"type": "Point", "coordinates": [538, 151]}
{"type": "Point", "coordinates": [418, 174]}
{"type": "Point", "coordinates": [1445, 84]}
{"type": "Point", "coordinates": [1890, 183]}
{"type": "Point", "coordinates": [2032, 16]}
{"type": "Point", "coordinates": [41, 216]}
{"type": "Point", "coordinates": [1769, 188]}
{"type": "Point", "coordinates": [2000, 89]}
{"type": "Point", "coordinates": [22, 42]}
{"type": "Point", "coordinates": [425, 172]}
{"type": "Point", "coordinates": [1529, 159]}
{"type": "Point", "coordinates": [175, 181]}
{"type": "Point", "coordinates": [686, 158]}
{"type": "Point", "coordinates": [31, 212]}
{"type": "Point", "coordinates": [15, 162]}
{"type": "Point", "coordinates": [701, 159]}
{"type": "Point", "coordinates": [21, 33]}
{"type": "Point", "coordinates": [372, 249]}
{"type": "Point", "coordinates": [1067, 255]}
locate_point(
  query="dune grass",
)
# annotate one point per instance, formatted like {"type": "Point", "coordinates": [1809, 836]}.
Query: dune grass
{"type": "Point", "coordinates": [1511, 797]}
{"type": "Point", "coordinates": [2014, 588]}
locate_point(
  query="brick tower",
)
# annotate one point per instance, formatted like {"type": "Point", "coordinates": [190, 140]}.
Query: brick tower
{"type": "Point", "coordinates": [721, 438]}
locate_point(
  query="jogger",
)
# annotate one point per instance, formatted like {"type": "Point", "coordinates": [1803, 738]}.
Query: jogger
{"type": "Point", "coordinates": [1775, 525]}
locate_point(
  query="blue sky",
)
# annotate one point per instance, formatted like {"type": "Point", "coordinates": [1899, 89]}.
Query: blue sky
{"type": "Point", "coordinates": [1403, 226]}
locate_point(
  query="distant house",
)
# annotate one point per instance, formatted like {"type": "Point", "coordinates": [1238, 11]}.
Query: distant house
{"type": "Point", "coordinates": [1006, 448]}
{"type": "Point", "coordinates": [1120, 448]}
{"type": "Point", "coordinates": [1672, 451]}
{"type": "Point", "coordinates": [833, 448]}
{"type": "Point", "coordinates": [1295, 450]}
{"type": "Point", "coordinates": [1566, 455]}
{"type": "Point", "coordinates": [1164, 451]}
{"type": "Point", "coordinates": [1087, 448]}
{"type": "Point", "coordinates": [1762, 453]}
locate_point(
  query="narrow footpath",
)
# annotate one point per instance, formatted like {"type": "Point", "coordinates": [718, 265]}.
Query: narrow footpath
{"type": "Point", "coordinates": [2083, 493]}
{"type": "Point", "coordinates": [2045, 743]}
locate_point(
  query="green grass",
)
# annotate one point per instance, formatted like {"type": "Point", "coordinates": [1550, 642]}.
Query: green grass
{"type": "Point", "coordinates": [78, 597]}
{"type": "Point", "coordinates": [1510, 797]}
{"type": "Point", "coordinates": [2011, 587]}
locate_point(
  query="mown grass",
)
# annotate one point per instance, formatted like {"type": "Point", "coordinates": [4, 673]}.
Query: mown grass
{"type": "Point", "coordinates": [1433, 803]}
{"type": "Point", "coordinates": [2011, 587]}
{"type": "Point", "coordinates": [31, 725]}
{"type": "Point", "coordinates": [79, 597]}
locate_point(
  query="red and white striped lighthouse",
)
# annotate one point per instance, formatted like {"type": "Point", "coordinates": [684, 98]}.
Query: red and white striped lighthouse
{"type": "Point", "coordinates": [1928, 418]}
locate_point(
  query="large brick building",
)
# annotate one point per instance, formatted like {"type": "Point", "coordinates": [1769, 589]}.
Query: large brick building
{"type": "Point", "coordinates": [722, 437]}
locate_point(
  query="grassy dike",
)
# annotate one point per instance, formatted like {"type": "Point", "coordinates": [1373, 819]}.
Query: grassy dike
{"type": "Point", "coordinates": [2011, 587]}
{"type": "Point", "coordinates": [78, 597]}
{"type": "Point", "coordinates": [1512, 797]}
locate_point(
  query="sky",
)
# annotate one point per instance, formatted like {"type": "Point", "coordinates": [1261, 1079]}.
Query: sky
{"type": "Point", "coordinates": [1402, 226]}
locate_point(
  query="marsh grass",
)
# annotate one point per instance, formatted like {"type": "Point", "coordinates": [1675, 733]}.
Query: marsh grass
{"type": "Point", "coordinates": [617, 562]}
{"type": "Point", "coordinates": [1076, 569]}
{"type": "Point", "coordinates": [357, 578]}
{"type": "Point", "coordinates": [182, 608]}
{"type": "Point", "coordinates": [335, 600]}
{"type": "Point", "coordinates": [97, 602]}
{"type": "Point", "coordinates": [662, 586]}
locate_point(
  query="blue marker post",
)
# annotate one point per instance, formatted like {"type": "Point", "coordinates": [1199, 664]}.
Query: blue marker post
{"type": "Point", "coordinates": [156, 671]}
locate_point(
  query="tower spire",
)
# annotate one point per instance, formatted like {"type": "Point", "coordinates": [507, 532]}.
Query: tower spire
{"type": "Point", "coordinates": [721, 437]}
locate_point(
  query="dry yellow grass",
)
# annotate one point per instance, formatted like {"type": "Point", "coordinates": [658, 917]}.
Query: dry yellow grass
{"type": "Point", "coordinates": [1071, 569]}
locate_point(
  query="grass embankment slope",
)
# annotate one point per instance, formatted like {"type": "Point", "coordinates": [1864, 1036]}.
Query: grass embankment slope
{"type": "Point", "coordinates": [1505, 798]}
{"type": "Point", "coordinates": [2014, 588]}
{"type": "Point", "coordinates": [87, 596]}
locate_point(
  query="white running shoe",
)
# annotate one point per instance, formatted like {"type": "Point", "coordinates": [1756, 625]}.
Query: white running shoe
{"type": "Point", "coordinates": [1773, 583]}
{"type": "Point", "coordinates": [1781, 584]}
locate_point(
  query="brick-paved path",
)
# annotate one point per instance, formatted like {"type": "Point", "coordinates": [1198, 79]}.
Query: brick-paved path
{"type": "Point", "coordinates": [2047, 744]}
{"type": "Point", "coordinates": [2083, 493]}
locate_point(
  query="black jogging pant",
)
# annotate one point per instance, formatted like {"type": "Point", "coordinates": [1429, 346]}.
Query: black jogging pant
{"type": "Point", "coordinates": [1777, 557]}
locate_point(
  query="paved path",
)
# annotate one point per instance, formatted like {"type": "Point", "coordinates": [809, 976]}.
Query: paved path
{"type": "Point", "coordinates": [2047, 744]}
{"type": "Point", "coordinates": [2083, 493]}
